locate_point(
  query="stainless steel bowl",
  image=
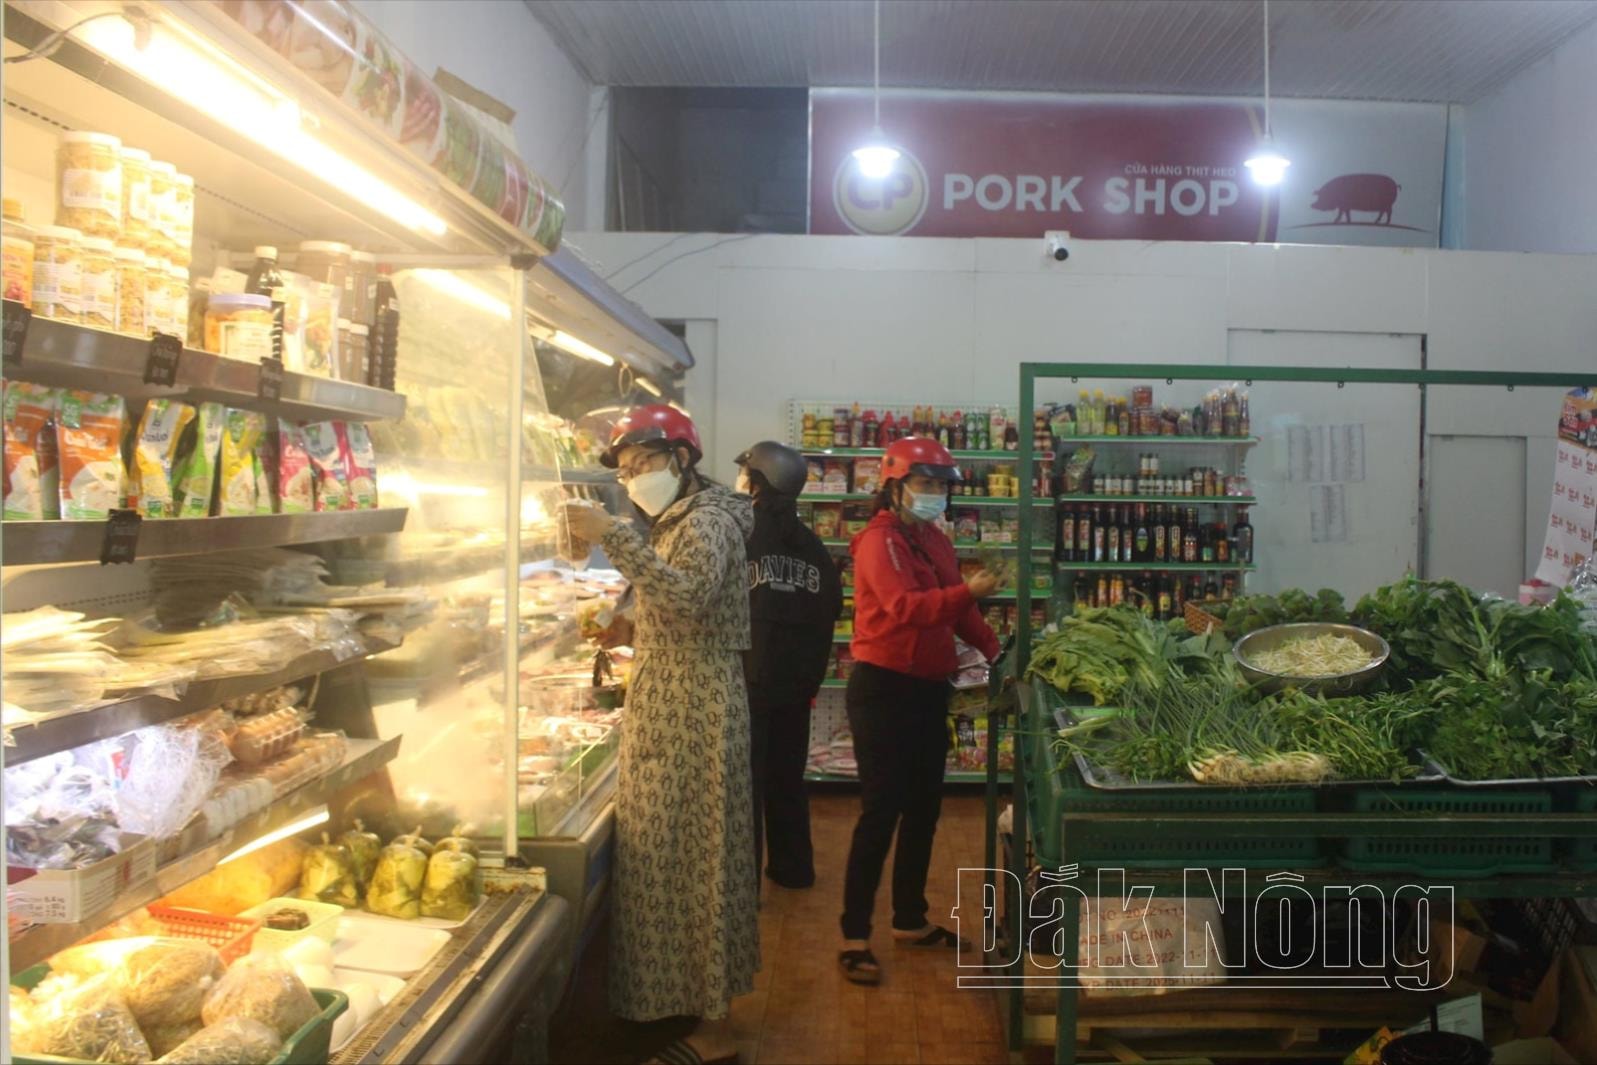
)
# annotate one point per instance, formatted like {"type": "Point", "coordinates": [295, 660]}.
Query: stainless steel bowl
{"type": "Point", "coordinates": [1342, 684]}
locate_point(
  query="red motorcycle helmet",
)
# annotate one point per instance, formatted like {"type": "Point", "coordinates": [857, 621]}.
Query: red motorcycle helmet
{"type": "Point", "coordinates": [918, 456]}
{"type": "Point", "coordinates": [657, 425]}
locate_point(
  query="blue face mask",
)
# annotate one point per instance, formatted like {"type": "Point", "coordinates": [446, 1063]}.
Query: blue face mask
{"type": "Point", "coordinates": [926, 507]}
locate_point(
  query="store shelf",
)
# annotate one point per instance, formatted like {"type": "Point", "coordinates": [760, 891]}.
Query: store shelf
{"type": "Point", "coordinates": [1217, 501]}
{"type": "Point", "coordinates": [362, 758]}
{"type": "Point", "coordinates": [953, 501]}
{"type": "Point", "coordinates": [1158, 567]}
{"type": "Point", "coordinates": [1180, 441]}
{"type": "Point", "coordinates": [27, 742]}
{"type": "Point", "coordinates": [967, 547]}
{"type": "Point", "coordinates": [27, 543]}
{"type": "Point", "coordinates": [952, 776]}
{"type": "Point", "coordinates": [66, 355]}
{"type": "Point", "coordinates": [875, 452]}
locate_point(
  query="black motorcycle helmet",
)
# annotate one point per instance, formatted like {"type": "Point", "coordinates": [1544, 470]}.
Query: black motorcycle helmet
{"type": "Point", "coordinates": [782, 467]}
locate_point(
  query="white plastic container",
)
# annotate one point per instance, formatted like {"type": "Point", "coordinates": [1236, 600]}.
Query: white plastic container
{"type": "Point", "coordinates": [324, 922]}
{"type": "Point", "coordinates": [385, 944]}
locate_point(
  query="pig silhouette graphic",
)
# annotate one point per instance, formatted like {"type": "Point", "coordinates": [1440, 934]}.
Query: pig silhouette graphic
{"type": "Point", "coordinates": [1358, 192]}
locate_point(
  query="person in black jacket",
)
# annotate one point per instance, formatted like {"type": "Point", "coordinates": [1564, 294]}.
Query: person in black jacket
{"type": "Point", "coordinates": [795, 597]}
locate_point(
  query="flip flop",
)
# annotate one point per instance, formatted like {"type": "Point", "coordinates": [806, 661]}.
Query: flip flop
{"type": "Point", "coordinates": [682, 1052]}
{"type": "Point", "coordinates": [860, 967]}
{"type": "Point", "coordinates": [938, 938]}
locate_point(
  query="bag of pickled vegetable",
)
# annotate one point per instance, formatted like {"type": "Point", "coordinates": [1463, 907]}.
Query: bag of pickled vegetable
{"type": "Point", "coordinates": [364, 847]}
{"type": "Point", "coordinates": [451, 888]}
{"type": "Point", "coordinates": [417, 840]}
{"type": "Point", "coordinates": [328, 875]}
{"type": "Point", "coordinates": [457, 840]}
{"type": "Point", "coordinates": [395, 889]}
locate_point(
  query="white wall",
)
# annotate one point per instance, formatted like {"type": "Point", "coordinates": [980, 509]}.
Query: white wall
{"type": "Point", "coordinates": [499, 47]}
{"type": "Point", "coordinates": [949, 321]}
{"type": "Point", "coordinates": [1529, 154]}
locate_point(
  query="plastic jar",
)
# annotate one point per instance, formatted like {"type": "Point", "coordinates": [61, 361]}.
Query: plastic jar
{"type": "Point", "coordinates": [177, 292]}
{"type": "Point", "coordinates": [329, 262]}
{"type": "Point", "coordinates": [135, 198]}
{"type": "Point", "coordinates": [129, 291]}
{"type": "Point", "coordinates": [99, 283]}
{"type": "Point", "coordinates": [157, 296]}
{"type": "Point", "coordinates": [199, 299]}
{"type": "Point", "coordinates": [16, 250]}
{"type": "Point", "coordinates": [88, 172]}
{"type": "Point", "coordinates": [58, 273]}
{"type": "Point", "coordinates": [352, 361]}
{"type": "Point", "coordinates": [182, 231]}
{"type": "Point", "coordinates": [363, 288]}
{"type": "Point", "coordinates": [239, 326]}
{"type": "Point", "coordinates": [163, 178]}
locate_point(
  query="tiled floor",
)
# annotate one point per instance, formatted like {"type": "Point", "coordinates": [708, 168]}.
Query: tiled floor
{"type": "Point", "coordinates": [803, 1010]}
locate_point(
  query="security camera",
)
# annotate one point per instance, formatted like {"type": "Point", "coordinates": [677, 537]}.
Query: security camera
{"type": "Point", "coordinates": [1058, 244]}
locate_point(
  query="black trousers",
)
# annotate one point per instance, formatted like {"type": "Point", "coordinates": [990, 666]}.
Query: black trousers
{"type": "Point", "coordinates": [900, 726]}
{"type": "Point", "coordinates": [779, 748]}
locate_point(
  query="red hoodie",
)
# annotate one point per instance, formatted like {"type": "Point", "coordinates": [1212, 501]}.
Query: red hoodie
{"type": "Point", "coordinates": [909, 600]}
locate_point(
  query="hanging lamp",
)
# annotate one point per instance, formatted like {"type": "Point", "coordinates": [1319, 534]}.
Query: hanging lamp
{"type": "Point", "coordinates": [1267, 164]}
{"type": "Point", "coordinates": [876, 156]}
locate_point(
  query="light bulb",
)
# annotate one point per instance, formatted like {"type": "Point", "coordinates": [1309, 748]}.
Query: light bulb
{"type": "Point", "coordinates": [1267, 165]}
{"type": "Point", "coordinates": [876, 160]}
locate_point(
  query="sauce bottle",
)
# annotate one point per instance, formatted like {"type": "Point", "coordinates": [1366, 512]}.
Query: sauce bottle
{"type": "Point", "coordinates": [383, 349]}
{"type": "Point", "coordinates": [266, 280]}
{"type": "Point", "coordinates": [1242, 534]}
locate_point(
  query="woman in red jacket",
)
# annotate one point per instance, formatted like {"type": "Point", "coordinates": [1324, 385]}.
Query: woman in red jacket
{"type": "Point", "coordinates": [909, 603]}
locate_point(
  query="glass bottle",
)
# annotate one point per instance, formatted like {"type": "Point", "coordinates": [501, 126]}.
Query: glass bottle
{"type": "Point", "coordinates": [1242, 532]}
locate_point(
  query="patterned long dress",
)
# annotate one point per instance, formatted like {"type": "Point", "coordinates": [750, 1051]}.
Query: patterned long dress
{"type": "Point", "coordinates": [685, 934]}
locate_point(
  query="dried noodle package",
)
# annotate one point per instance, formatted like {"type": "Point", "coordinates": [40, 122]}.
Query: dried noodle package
{"type": "Point", "coordinates": [90, 1023]}
{"type": "Point", "coordinates": [261, 988]}
{"type": "Point", "coordinates": [165, 983]}
{"type": "Point", "coordinates": [233, 1041]}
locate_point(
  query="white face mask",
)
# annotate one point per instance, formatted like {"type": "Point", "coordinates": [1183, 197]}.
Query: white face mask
{"type": "Point", "coordinates": [743, 486]}
{"type": "Point", "coordinates": [653, 492]}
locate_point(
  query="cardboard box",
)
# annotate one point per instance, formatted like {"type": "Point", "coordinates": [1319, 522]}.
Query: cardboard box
{"type": "Point", "coordinates": [66, 896]}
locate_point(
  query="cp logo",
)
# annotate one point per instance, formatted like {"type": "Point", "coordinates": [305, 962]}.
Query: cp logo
{"type": "Point", "coordinates": [881, 207]}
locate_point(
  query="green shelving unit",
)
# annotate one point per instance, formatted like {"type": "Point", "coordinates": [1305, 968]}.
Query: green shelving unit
{"type": "Point", "coordinates": [1158, 567]}
{"type": "Point", "coordinates": [1214, 501]}
{"type": "Point", "coordinates": [953, 501]}
{"type": "Point", "coordinates": [968, 456]}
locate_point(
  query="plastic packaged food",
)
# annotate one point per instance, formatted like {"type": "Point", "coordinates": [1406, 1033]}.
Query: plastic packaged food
{"type": "Point", "coordinates": [361, 305]}
{"type": "Point", "coordinates": [155, 457]}
{"type": "Point", "coordinates": [327, 460]}
{"type": "Point", "coordinates": [329, 262]}
{"type": "Point", "coordinates": [261, 988]}
{"type": "Point", "coordinates": [135, 197]}
{"type": "Point", "coordinates": [197, 478]}
{"type": "Point", "coordinates": [130, 290]}
{"type": "Point", "coordinates": [16, 250]}
{"type": "Point", "coordinates": [165, 983]}
{"type": "Point", "coordinates": [352, 362]}
{"type": "Point", "coordinates": [181, 228]}
{"type": "Point", "coordinates": [360, 460]}
{"type": "Point", "coordinates": [158, 317]}
{"type": "Point", "coordinates": [88, 169]}
{"type": "Point", "coordinates": [310, 325]}
{"type": "Point", "coordinates": [364, 848]}
{"type": "Point", "coordinates": [417, 840]}
{"type": "Point", "coordinates": [450, 890]}
{"type": "Point", "coordinates": [236, 486]}
{"type": "Point", "coordinates": [32, 475]}
{"type": "Point", "coordinates": [296, 483]}
{"type": "Point", "coordinates": [89, 1022]}
{"type": "Point", "coordinates": [99, 283]}
{"type": "Point", "coordinates": [239, 326]}
{"type": "Point", "coordinates": [163, 177]}
{"type": "Point", "coordinates": [329, 876]}
{"type": "Point", "coordinates": [165, 1038]}
{"type": "Point", "coordinates": [397, 880]}
{"type": "Point", "coordinates": [457, 840]}
{"type": "Point", "coordinates": [260, 739]}
{"type": "Point", "coordinates": [231, 1041]}
{"type": "Point", "coordinates": [177, 294]}
{"type": "Point", "coordinates": [90, 437]}
{"type": "Point", "coordinates": [58, 273]}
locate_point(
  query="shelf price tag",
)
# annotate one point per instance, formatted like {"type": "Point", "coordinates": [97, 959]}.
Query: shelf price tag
{"type": "Point", "coordinates": [17, 318]}
{"type": "Point", "coordinates": [271, 380]}
{"type": "Point", "coordinates": [160, 364]}
{"type": "Point", "coordinates": [121, 537]}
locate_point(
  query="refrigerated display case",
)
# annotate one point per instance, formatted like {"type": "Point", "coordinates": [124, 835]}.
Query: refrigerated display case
{"type": "Point", "coordinates": [421, 648]}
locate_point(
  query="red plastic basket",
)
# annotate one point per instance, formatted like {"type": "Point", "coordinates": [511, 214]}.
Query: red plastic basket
{"type": "Point", "coordinates": [231, 936]}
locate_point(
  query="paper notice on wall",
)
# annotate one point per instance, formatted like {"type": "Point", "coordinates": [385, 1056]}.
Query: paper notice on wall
{"type": "Point", "coordinates": [1328, 519]}
{"type": "Point", "coordinates": [1572, 517]}
{"type": "Point", "coordinates": [1325, 454]}
{"type": "Point", "coordinates": [1346, 460]}
{"type": "Point", "coordinates": [1305, 454]}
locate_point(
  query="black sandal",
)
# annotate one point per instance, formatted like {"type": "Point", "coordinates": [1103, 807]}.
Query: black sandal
{"type": "Point", "coordinates": [860, 967]}
{"type": "Point", "coordinates": [937, 938]}
{"type": "Point", "coordinates": [682, 1052]}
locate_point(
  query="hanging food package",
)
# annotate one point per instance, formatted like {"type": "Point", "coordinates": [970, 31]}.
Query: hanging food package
{"type": "Point", "coordinates": [327, 460]}
{"type": "Point", "coordinates": [197, 478]}
{"type": "Point", "coordinates": [360, 464]}
{"type": "Point", "coordinates": [450, 891]}
{"type": "Point", "coordinates": [457, 840]}
{"type": "Point", "coordinates": [32, 476]}
{"type": "Point", "coordinates": [295, 481]}
{"type": "Point", "coordinates": [417, 840]}
{"type": "Point", "coordinates": [328, 875]}
{"type": "Point", "coordinates": [396, 885]}
{"type": "Point", "coordinates": [90, 438]}
{"type": "Point", "coordinates": [242, 431]}
{"type": "Point", "coordinates": [151, 490]}
{"type": "Point", "coordinates": [364, 847]}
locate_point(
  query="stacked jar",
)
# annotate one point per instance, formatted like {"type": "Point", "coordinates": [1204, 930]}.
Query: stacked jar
{"type": "Point", "coordinates": [88, 169]}
{"type": "Point", "coordinates": [158, 317]}
{"type": "Point", "coordinates": [130, 291]}
{"type": "Point", "coordinates": [58, 273]}
{"type": "Point", "coordinates": [16, 239]}
{"type": "Point", "coordinates": [99, 283]}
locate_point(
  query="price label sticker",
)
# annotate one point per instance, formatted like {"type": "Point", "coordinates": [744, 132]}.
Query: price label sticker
{"type": "Point", "coordinates": [121, 543]}
{"type": "Point", "coordinates": [271, 380]}
{"type": "Point", "coordinates": [16, 318]}
{"type": "Point", "coordinates": [160, 365]}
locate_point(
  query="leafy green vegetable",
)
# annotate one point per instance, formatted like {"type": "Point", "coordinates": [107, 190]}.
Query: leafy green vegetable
{"type": "Point", "coordinates": [1248, 613]}
{"type": "Point", "coordinates": [1098, 652]}
{"type": "Point", "coordinates": [1518, 727]}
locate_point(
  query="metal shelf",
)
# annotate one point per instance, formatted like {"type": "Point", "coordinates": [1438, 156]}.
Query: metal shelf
{"type": "Point", "coordinates": [1217, 501]}
{"type": "Point", "coordinates": [953, 501]}
{"type": "Point", "coordinates": [67, 355]}
{"type": "Point", "coordinates": [1189, 441]}
{"type": "Point", "coordinates": [362, 758]}
{"type": "Point", "coordinates": [36, 740]}
{"type": "Point", "coordinates": [876, 452]}
{"type": "Point", "coordinates": [1159, 567]}
{"type": "Point", "coordinates": [29, 543]}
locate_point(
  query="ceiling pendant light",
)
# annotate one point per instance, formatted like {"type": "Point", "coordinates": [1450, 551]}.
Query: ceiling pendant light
{"type": "Point", "coordinates": [1266, 164]}
{"type": "Point", "coordinates": [876, 157]}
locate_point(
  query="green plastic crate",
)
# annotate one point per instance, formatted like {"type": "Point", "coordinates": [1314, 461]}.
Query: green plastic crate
{"type": "Point", "coordinates": [1582, 854]}
{"type": "Point", "coordinates": [311, 1045]}
{"type": "Point", "coordinates": [1464, 856]}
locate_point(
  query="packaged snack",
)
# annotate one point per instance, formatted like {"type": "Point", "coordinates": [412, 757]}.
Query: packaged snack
{"type": "Point", "coordinates": [828, 520]}
{"type": "Point", "coordinates": [263, 484]}
{"type": "Point", "coordinates": [198, 477]}
{"type": "Point", "coordinates": [967, 525]}
{"type": "Point", "coordinates": [295, 482]}
{"type": "Point", "coordinates": [90, 437]}
{"type": "Point", "coordinates": [261, 988]}
{"type": "Point", "coordinates": [155, 456]}
{"type": "Point", "coordinates": [242, 432]}
{"type": "Point", "coordinates": [32, 477]}
{"type": "Point", "coordinates": [310, 325]}
{"type": "Point", "coordinates": [360, 460]}
{"type": "Point", "coordinates": [867, 475]}
{"type": "Point", "coordinates": [327, 460]}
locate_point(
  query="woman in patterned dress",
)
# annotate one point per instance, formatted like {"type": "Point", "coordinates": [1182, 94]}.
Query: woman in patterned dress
{"type": "Point", "coordinates": [685, 933]}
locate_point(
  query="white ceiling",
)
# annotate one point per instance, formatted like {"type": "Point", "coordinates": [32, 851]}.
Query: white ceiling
{"type": "Point", "coordinates": [1429, 50]}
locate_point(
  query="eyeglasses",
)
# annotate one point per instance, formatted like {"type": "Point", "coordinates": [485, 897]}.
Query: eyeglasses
{"type": "Point", "coordinates": [649, 464]}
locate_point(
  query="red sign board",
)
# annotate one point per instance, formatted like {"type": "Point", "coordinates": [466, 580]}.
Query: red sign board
{"type": "Point", "coordinates": [1018, 165]}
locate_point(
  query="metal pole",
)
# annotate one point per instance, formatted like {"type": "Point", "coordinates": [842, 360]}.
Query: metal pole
{"type": "Point", "coordinates": [512, 563]}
